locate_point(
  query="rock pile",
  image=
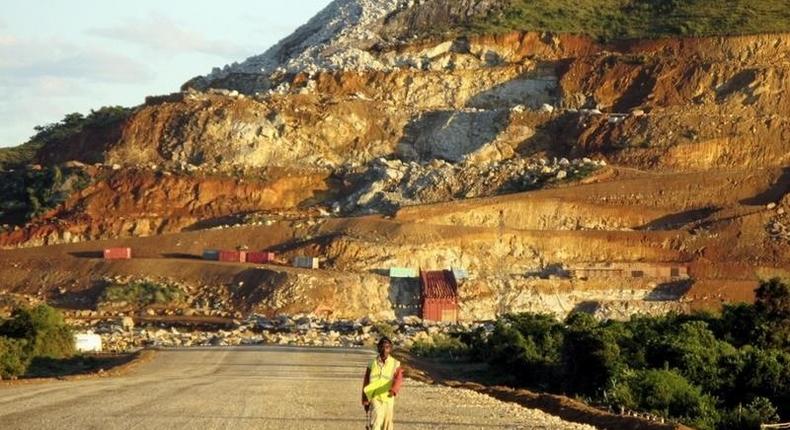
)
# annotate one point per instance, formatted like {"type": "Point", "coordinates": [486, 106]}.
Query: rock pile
{"type": "Point", "coordinates": [123, 335]}
{"type": "Point", "coordinates": [391, 184]}
{"type": "Point", "coordinates": [337, 38]}
{"type": "Point", "coordinates": [778, 226]}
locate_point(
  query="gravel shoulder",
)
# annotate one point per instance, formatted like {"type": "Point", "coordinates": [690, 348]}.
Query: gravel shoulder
{"type": "Point", "coordinates": [252, 388]}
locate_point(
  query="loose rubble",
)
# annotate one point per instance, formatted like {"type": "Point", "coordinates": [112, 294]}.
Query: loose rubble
{"type": "Point", "coordinates": [391, 184]}
{"type": "Point", "coordinates": [778, 227]}
{"type": "Point", "coordinates": [122, 335]}
{"type": "Point", "coordinates": [336, 38]}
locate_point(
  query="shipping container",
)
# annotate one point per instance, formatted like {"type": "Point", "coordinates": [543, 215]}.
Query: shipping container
{"type": "Point", "coordinates": [402, 272]}
{"type": "Point", "coordinates": [233, 256]}
{"type": "Point", "coordinates": [306, 262]}
{"type": "Point", "coordinates": [439, 295]}
{"type": "Point", "coordinates": [211, 254]}
{"type": "Point", "coordinates": [118, 253]}
{"type": "Point", "coordinates": [440, 310]}
{"type": "Point", "coordinates": [260, 257]}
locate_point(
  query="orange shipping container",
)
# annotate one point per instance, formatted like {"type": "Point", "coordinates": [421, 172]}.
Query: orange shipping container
{"type": "Point", "coordinates": [439, 296]}
{"type": "Point", "coordinates": [260, 257]}
{"type": "Point", "coordinates": [118, 253]}
{"type": "Point", "coordinates": [233, 256]}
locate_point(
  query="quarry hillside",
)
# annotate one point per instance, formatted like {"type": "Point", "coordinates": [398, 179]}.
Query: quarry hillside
{"type": "Point", "coordinates": [630, 160]}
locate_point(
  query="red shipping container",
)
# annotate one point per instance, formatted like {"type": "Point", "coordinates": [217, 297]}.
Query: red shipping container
{"type": "Point", "coordinates": [439, 295]}
{"type": "Point", "coordinates": [233, 256]}
{"type": "Point", "coordinates": [260, 257]}
{"type": "Point", "coordinates": [118, 253]}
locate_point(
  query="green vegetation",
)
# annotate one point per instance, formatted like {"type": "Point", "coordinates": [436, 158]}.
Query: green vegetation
{"type": "Point", "coordinates": [29, 193]}
{"type": "Point", "coordinates": [727, 371]}
{"type": "Point", "coordinates": [74, 123]}
{"type": "Point", "coordinates": [33, 334]}
{"type": "Point", "coordinates": [441, 346]}
{"type": "Point", "coordinates": [141, 294]}
{"type": "Point", "coordinates": [60, 132]}
{"type": "Point", "coordinates": [628, 19]}
{"type": "Point", "coordinates": [384, 329]}
{"type": "Point", "coordinates": [19, 155]}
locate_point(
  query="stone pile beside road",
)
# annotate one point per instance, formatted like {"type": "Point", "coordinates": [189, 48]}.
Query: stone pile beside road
{"type": "Point", "coordinates": [123, 334]}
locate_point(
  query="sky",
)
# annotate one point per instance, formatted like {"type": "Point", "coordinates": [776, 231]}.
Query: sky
{"type": "Point", "coordinates": [58, 57]}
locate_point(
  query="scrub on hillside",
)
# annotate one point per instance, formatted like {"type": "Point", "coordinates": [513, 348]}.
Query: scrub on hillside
{"type": "Point", "coordinates": [383, 379]}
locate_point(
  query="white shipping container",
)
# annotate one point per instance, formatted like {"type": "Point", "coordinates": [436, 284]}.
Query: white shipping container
{"type": "Point", "coordinates": [87, 342]}
{"type": "Point", "coordinates": [306, 262]}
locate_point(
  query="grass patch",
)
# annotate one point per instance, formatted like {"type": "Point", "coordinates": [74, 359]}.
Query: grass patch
{"type": "Point", "coordinates": [141, 294]}
{"type": "Point", "coordinates": [630, 19]}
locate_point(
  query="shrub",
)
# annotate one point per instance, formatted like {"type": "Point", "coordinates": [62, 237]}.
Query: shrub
{"type": "Point", "coordinates": [679, 366]}
{"type": "Point", "coordinates": [441, 346]}
{"type": "Point", "coordinates": [30, 334]}
{"type": "Point", "coordinates": [693, 348]}
{"type": "Point", "coordinates": [13, 359]}
{"type": "Point", "coordinates": [667, 393]}
{"type": "Point", "coordinates": [590, 356]}
{"type": "Point", "coordinates": [528, 346]}
{"type": "Point", "coordinates": [44, 330]}
{"type": "Point", "coordinates": [30, 193]}
{"type": "Point", "coordinates": [384, 329]}
{"type": "Point", "coordinates": [772, 305]}
{"type": "Point", "coordinates": [749, 417]}
{"type": "Point", "coordinates": [141, 294]}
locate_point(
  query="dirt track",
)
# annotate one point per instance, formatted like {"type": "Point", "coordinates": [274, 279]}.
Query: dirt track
{"type": "Point", "coordinates": [251, 388]}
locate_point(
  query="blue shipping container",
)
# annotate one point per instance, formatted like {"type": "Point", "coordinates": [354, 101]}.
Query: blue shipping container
{"type": "Point", "coordinates": [403, 272]}
{"type": "Point", "coordinates": [460, 274]}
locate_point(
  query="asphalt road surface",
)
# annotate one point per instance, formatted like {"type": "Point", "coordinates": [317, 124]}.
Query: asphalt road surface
{"type": "Point", "coordinates": [251, 388]}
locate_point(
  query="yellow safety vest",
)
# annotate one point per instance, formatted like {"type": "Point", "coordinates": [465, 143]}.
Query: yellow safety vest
{"type": "Point", "coordinates": [381, 379]}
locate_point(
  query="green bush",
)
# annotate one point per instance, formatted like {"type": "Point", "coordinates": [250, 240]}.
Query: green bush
{"type": "Point", "coordinates": [13, 358]}
{"type": "Point", "coordinates": [31, 192]}
{"type": "Point", "coordinates": [528, 347]}
{"type": "Point", "coordinates": [43, 328]}
{"type": "Point", "coordinates": [667, 393]}
{"type": "Point", "coordinates": [384, 329]}
{"type": "Point", "coordinates": [441, 346]}
{"type": "Point", "coordinates": [74, 123]}
{"type": "Point", "coordinates": [695, 349]}
{"type": "Point", "coordinates": [141, 294]}
{"type": "Point", "coordinates": [591, 357]}
{"type": "Point", "coordinates": [700, 369]}
{"type": "Point", "coordinates": [38, 332]}
{"type": "Point", "coordinates": [749, 417]}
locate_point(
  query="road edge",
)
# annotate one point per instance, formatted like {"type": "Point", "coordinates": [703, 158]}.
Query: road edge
{"type": "Point", "coordinates": [137, 358]}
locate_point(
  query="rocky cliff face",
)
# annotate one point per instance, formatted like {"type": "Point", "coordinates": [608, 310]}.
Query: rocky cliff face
{"type": "Point", "coordinates": [533, 149]}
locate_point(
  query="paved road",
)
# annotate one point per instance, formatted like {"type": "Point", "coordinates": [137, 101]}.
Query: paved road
{"type": "Point", "coordinates": [250, 388]}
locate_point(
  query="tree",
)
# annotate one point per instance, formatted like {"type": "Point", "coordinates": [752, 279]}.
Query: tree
{"type": "Point", "coordinates": [772, 305]}
{"type": "Point", "coordinates": [590, 356]}
{"type": "Point", "coordinates": [667, 393]}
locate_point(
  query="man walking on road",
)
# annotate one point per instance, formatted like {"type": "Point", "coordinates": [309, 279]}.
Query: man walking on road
{"type": "Point", "coordinates": [383, 380]}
